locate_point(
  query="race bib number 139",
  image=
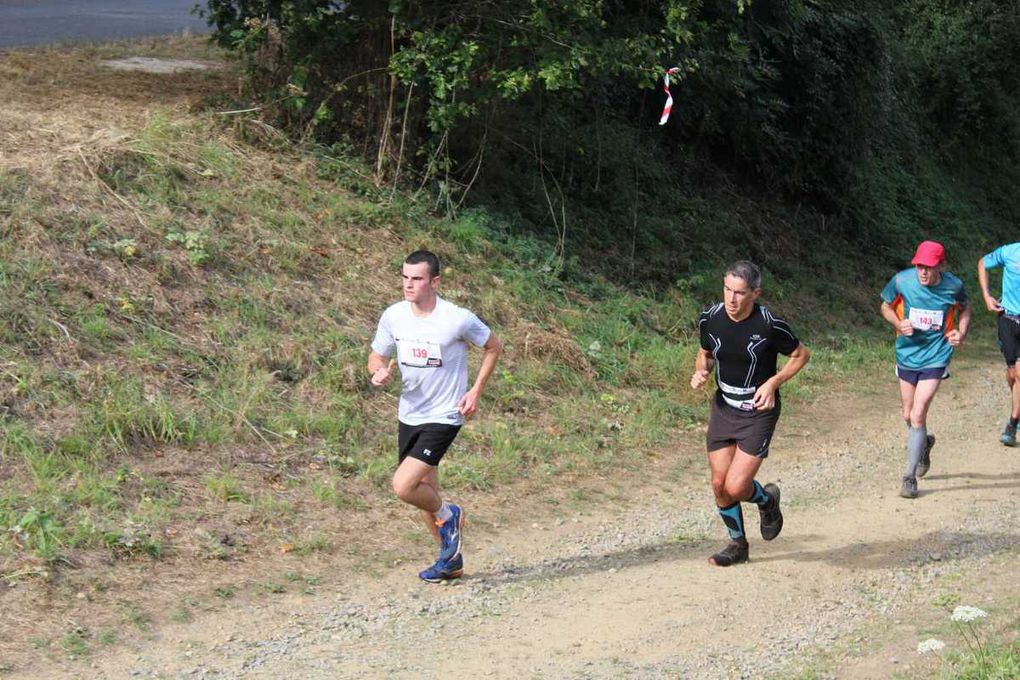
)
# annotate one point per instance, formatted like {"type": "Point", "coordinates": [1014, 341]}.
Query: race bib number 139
{"type": "Point", "coordinates": [419, 353]}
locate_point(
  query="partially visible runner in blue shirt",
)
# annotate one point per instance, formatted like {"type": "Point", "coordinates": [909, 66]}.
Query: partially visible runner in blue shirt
{"type": "Point", "coordinates": [1008, 309]}
{"type": "Point", "coordinates": [929, 309]}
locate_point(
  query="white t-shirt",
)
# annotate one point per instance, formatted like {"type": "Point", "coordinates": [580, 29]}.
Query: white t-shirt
{"type": "Point", "coordinates": [432, 355]}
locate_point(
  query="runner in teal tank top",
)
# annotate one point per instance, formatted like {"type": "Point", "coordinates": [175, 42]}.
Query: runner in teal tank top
{"type": "Point", "coordinates": [1008, 309]}
{"type": "Point", "coordinates": [929, 309]}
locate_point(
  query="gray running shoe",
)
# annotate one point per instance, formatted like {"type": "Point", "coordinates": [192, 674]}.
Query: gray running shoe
{"type": "Point", "coordinates": [925, 463]}
{"type": "Point", "coordinates": [1008, 436]}
{"type": "Point", "coordinates": [909, 488]}
{"type": "Point", "coordinates": [735, 552]}
{"type": "Point", "coordinates": [771, 515]}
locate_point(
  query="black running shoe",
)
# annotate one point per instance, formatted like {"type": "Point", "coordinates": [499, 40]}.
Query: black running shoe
{"type": "Point", "coordinates": [925, 463]}
{"type": "Point", "coordinates": [771, 515]}
{"type": "Point", "coordinates": [735, 552]}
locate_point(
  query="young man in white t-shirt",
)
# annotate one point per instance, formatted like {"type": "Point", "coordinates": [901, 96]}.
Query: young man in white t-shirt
{"type": "Point", "coordinates": [430, 337]}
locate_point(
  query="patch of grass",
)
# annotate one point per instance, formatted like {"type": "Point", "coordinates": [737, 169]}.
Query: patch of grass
{"type": "Point", "coordinates": [318, 543]}
{"type": "Point", "coordinates": [12, 188]}
{"type": "Point", "coordinates": [477, 469]}
{"type": "Point", "coordinates": [93, 325]}
{"type": "Point", "coordinates": [994, 661]}
{"type": "Point", "coordinates": [75, 641]}
{"type": "Point", "coordinates": [137, 616]}
{"type": "Point", "coordinates": [213, 549]}
{"type": "Point", "coordinates": [182, 613]}
{"type": "Point", "coordinates": [18, 442]}
{"type": "Point", "coordinates": [154, 511]}
{"type": "Point", "coordinates": [268, 509]}
{"type": "Point", "coordinates": [225, 592]}
{"type": "Point", "coordinates": [305, 581]}
{"type": "Point", "coordinates": [946, 600]}
{"type": "Point", "coordinates": [681, 538]}
{"type": "Point", "coordinates": [240, 396]}
{"type": "Point", "coordinates": [328, 492]}
{"type": "Point", "coordinates": [96, 490]}
{"type": "Point", "coordinates": [196, 244]}
{"type": "Point", "coordinates": [470, 232]}
{"type": "Point", "coordinates": [270, 588]}
{"type": "Point", "coordinates": [333, 421]}
{"type": "Point", "coordinates": [40, 531]}
{"type": "Point", "coordinates": [811, 673]}
{"type": "Point", "coordinates": [125, 413]}
{"type": "Point", "coordinates": [227, 488]}
{"type": "Point", "coordinates": [132, 540]}
{"type": "Point", "coordinates": [584, 496]}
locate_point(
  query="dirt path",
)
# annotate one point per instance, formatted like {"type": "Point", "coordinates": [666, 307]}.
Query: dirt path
{"type": "Point", "coordinates": [857, 578]}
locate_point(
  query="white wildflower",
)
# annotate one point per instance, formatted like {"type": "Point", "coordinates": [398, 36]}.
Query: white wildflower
{"type": "Point", "coordinates": [965, 614]}
{"type": "Point", "coordinates": [930, 645]}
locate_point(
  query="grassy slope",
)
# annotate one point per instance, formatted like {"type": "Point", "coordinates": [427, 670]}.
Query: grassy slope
{"type": "Point", "coordinates": [186, 301]}
{"type": "Point", "coordinates": [189, 286]}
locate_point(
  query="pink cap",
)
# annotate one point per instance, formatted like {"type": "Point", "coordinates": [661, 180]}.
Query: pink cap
{"type": "Point", "coordinates": [929, 254]}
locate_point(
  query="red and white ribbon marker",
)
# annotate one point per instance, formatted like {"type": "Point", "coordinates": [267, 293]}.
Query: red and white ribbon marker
{"type": "Point", "coordinates": [669, 97]}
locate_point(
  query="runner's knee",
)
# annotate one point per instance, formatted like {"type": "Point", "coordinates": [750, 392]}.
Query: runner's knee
{"type": "Point", "coordinates": [404, 486]}
{"type": "Point", "coordinates": [738, 490]}
{"type": "Point", "coordinates": [722, 494]}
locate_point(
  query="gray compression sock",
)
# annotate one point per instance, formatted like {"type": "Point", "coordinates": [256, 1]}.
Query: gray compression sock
{"type": "Point", "coordinates": [917, 439]}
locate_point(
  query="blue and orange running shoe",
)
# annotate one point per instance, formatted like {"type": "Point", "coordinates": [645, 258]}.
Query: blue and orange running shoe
{"type": "Point", "coordinates": [443, 570]}
{"type": "Point", "coordinates": [449, 534]}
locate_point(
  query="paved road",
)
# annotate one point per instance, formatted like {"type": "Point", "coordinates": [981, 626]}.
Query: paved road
{"type": "Point", "coordinates": [36, 22]}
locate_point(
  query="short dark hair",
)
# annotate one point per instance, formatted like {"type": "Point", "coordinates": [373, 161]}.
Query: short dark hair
{"type": "Point", "coordinates": [419, 256]}
{"type": "Point", "coordinates": [748, 271]}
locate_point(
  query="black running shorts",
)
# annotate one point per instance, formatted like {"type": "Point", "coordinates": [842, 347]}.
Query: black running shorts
{"type": "Point", "coordinates": [751, 431]}
{"type": "Point", "coordinates": [914, 376]}
{"type": "Point", "coordinates": [1009, 338]}
{"type": "Point", "coordinates": [427, 442]}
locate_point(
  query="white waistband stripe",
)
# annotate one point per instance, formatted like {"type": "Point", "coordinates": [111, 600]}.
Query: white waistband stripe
{"type": "Point", "coordinates": [736, 390]}
{"type": "Point", "coordinates": [747, 405]}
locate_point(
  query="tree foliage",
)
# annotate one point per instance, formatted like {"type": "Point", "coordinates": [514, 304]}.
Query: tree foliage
{"type": "Point", "coordinates": [963, 55]}
{"type": "Point", "coordinates": [546, 109]}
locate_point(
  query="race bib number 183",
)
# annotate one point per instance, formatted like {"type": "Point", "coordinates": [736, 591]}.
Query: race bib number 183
{"type": "Point", "coordinates": [926, 319]}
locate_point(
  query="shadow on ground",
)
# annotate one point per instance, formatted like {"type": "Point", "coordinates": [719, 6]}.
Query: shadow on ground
{"type": "Point", "coordinates": [942, 546]}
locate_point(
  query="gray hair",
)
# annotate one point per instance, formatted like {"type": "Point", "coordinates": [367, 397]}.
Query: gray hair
{"type": "Point", "coordinates": [748, 271]}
